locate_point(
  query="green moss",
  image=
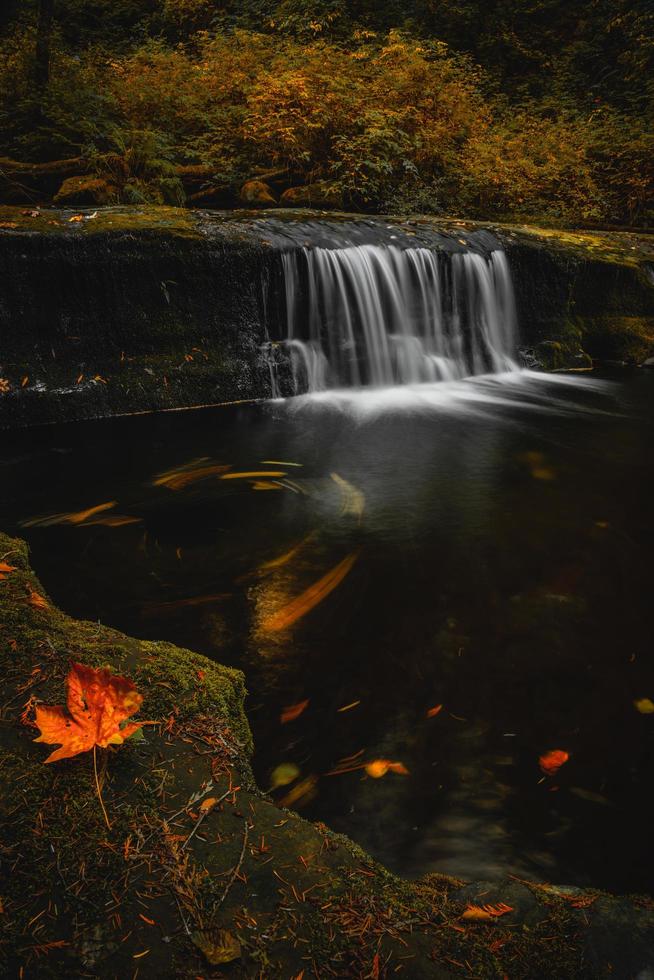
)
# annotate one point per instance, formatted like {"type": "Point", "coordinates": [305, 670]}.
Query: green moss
{"type": "Point", "coordinates": [84, 899]}
{"type": "Point", "coordinates": [145, 219]}
{"type": "Point", "coordinates": [620, 338]}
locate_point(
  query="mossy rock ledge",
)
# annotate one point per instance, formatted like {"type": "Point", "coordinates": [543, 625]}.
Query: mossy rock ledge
{"type": "Point", "coordinates": [150, 898]}
{"type": "Point", "coordinates": [116, 310]}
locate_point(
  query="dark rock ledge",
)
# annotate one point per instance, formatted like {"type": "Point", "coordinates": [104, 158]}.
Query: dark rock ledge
{"type": "Point", "coordinates": [141, 899]}
{"type": "Point", "coordinates": [122, 310]}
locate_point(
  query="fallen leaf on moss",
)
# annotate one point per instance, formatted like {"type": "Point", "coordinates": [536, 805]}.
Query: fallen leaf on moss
{"type": "Point", "coordinates": [218, 945]}
{"type": "Point", "coordinates": [551, 762]}
{"type": "Point", "coordinates": [6, 569]}
{"type": "Point", "coordinates": [97, 705]}
{"type": "Point", "coordinates": [36, 600]}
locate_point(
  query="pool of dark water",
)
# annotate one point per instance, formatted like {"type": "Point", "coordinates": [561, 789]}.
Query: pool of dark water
{"type": "Point", "coordinates": [454, 579]}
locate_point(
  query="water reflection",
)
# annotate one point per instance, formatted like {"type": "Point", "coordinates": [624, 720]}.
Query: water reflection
{"type": "Point", "coordinates": [484, 546]}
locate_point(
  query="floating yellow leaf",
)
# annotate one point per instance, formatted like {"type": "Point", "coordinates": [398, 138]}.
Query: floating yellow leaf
{"type": "Point", "coordinates": [252, 474]}
{"type": "Point", "coordinates": [113, 520]}
{"type": "Point", "coordinates": [302, 794]}
{"type": "Point", "coordinates": [266, 485]}
{"type": "Point", "coordinates": [286, 557]}
{"type": "Point", "coordinates": [283, 774]}
{"type": "Point", "coordinates": [543, 473]}
{"type": "Point", "coordinates": [315, 594]}
{"type": "Point", "coordinates": [182, 476]}
{"type": "Point", "coordinates": [353, 499]}
{"type": "Point", "coordinates": [645, 706]}
{"type": "Point", "coordinates": [278, 462]}
{"type": "Point", "coordinates": [348, 707]}
{"type": "Point", "coordinates": [75, 517]}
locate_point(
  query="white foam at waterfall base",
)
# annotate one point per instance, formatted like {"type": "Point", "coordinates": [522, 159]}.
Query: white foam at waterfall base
{"type": "Point", "coordinates": [505, 394]}
{"type": "Point", "coordinates": [378, 315]}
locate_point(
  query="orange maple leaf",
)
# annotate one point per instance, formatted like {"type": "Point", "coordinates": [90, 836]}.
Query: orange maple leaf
{"type": "Point", "coordinates": [98, 702]}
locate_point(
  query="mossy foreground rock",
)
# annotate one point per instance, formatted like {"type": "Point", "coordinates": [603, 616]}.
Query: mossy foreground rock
{"type": "Point", "coordinates": [242, 889]}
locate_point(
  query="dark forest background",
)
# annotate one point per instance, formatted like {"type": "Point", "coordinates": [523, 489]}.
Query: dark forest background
{"type": "Point", "coordinates": [514, 109]}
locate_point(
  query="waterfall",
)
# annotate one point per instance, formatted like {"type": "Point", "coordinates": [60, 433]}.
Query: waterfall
{"type": "Point", "coordinates": [380, 315]}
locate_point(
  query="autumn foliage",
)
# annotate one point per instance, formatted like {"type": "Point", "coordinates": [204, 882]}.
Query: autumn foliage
{"type": "Point", "coordinates": [97, 707]}
{"type": "Point", "coordinates": [506, 112]}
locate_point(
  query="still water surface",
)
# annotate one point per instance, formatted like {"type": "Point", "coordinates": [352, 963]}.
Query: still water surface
{"type": "Point", "coordinates": [490, 547]}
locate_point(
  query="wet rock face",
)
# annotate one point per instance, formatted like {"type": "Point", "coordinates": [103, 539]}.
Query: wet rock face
{"type": "Point", "coordinates": [121, 322]}
{"type": "Point", "coordinates": [322, 194]}
{"type": "Point", "coordinates": [119, 310]}
{"type": "Point", "coordinates": [85, 190]}
{"type": "Point", "coordinates": [579, 304]}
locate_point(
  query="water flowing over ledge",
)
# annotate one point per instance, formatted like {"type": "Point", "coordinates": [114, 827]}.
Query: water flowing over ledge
{"type": "Point", "coordinates": [379, 315]}
{"type": "Point", "coordinates": [139, 309]}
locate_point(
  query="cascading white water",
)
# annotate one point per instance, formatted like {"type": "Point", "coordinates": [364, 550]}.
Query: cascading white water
{"type": "Point", "coordinates": [378, 315]}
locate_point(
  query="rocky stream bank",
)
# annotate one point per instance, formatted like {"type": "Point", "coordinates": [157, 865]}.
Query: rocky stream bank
{"type": "Point", "coordinates": [241, 888]}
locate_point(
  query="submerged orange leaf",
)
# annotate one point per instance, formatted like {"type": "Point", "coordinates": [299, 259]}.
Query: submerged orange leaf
{"type": "Point", "coordinates": [293, 711]}
{"type": "Point", "coordinates": [436, 710]}
{"type": "Point", "coordinates": [98, 703]}
{"type": "Point", "coordinates": [379, 767]}
{"type": "Point", "coordinates": [551, 762]}
{"type": "Point", "coordinates": [315, 594]}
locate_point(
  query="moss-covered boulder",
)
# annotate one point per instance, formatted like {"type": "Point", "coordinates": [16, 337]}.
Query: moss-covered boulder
{"type": "Point", "coordinates": [257, 193]}
{"type": "Point", "coordinates": [321, 194]}
{"type": "Point", "coordinates": [85, 190]}
{"type": "Point", "coordinates": [200, 874]}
